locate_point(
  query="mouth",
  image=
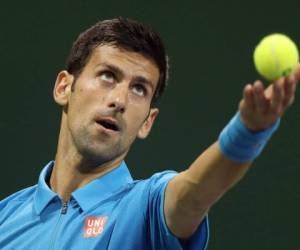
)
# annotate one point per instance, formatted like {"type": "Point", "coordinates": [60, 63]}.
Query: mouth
{"type": "Point", "coordinates": [109, 124]}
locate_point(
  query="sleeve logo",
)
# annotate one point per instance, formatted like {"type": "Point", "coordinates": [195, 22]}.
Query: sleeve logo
{"type": "Point", "coordinates": [94, 226]}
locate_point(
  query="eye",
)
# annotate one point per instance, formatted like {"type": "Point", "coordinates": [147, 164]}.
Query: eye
{"type": "Point", "coordinates": [139, 89]}
{"type": "Point", "coordinates": [107, 76]}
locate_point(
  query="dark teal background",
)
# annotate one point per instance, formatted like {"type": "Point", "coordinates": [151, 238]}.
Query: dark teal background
{"type": "Point", "coordinates": [210, 44]}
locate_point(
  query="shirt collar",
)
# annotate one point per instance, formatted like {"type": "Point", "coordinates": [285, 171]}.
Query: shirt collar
{"type": "Point", "coordinates": [44, 194]}
{"type": "Point", "coordinates": [102, 187]}
{"type": "Point", "coordinates": [86, 196]}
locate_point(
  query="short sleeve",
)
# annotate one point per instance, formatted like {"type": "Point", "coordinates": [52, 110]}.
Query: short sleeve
{"type": "Point", "coordinates": [161, 237]}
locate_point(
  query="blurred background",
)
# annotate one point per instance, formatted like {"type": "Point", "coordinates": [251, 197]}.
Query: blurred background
{"type": "Point", "coordinates": [210, 45]}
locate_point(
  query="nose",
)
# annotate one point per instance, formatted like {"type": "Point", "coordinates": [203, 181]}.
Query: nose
{"type": "Point", "coordinates": [117, 98]}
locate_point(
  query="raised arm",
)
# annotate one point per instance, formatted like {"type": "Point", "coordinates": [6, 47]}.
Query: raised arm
{"type": "Point", "coordinates": [192, 192]}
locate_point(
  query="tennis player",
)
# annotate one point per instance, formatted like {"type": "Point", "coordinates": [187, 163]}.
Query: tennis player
{"type": "Point", "coordinates": [86, 198]}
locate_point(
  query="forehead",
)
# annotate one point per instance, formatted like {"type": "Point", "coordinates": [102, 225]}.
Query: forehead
{"type": "Point", "coordinates": [132, 63]}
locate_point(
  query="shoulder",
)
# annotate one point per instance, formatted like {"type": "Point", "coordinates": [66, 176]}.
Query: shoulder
{"type": "Point", "coordinates": [20, 196]}
{"type": "Point", "coordinates": [154, 186]}
{"type": "Point", "coordinates": [162, 176]}
{"type": "Point", "coordinates": [160, 180]}
{"type": "Point", "coordinates": [14, 202]}
{"type": "Point", "coordinates": [157, 178]}
{"type": "Point", "coordinates": [144, 187]}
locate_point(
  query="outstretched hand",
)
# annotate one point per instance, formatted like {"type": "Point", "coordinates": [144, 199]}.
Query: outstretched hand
{"type": "Point", "coordinates": [261, 107]}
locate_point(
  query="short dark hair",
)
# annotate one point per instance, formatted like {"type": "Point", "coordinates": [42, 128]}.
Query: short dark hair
{"type": "Point", "coordinates": [125, 33]}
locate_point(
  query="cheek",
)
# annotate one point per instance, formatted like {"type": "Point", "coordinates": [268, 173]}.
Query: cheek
{"type": "Point", "coordinates": [84, 98]}
{"type": "Point", "coordinates": [79, 109]}
{"type": "Point", "coordinates": [136, 121]}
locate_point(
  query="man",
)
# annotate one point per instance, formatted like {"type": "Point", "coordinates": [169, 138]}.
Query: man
{"type": "Point", "coordinates": [86, 198]}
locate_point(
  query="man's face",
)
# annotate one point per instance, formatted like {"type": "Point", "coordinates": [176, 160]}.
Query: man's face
{"type": "Point", "coordinates": [109, 105]}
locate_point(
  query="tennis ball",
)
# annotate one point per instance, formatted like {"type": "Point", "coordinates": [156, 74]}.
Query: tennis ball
{"type": "Point", "coordinates": [275, 56]}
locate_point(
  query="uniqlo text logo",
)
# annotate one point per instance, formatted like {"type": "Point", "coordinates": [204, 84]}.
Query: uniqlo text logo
{"type": "Point", "coordinates": [94, 226]}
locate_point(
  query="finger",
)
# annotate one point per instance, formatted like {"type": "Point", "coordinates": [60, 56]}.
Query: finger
{"type": "Point", "coordinates": [277, 95]}
{"type": "Point", "coordinates": [248, 97]}
{"type": "Point", "coordinates": [269, 92]}
{"type": "Point", "coordinates": [296, 73]}
{"type": "Point", "coordinates": [259, 97]}
{"type": "Point", "coordinates": [289, 91]}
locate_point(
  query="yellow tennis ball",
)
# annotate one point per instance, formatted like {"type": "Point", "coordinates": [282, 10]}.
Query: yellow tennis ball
{"type": "Point", "coordinates": [275, 56]}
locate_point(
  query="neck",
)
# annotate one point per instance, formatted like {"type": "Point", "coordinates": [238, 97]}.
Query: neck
{"type": "Point", "coordinates": [66, 176]}
{"type": "Point", "coordinates": [72, 171]}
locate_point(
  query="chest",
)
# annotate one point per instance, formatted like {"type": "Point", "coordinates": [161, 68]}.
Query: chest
{"type": "Point", "coordinates": [108, 226]}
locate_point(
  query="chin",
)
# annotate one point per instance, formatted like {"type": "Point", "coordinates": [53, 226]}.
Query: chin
{"type": "Point", "coordinates": [98, 156]}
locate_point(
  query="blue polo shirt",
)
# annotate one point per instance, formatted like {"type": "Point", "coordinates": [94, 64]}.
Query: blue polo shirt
{"type": "Point", "coordinates": [112, 212]}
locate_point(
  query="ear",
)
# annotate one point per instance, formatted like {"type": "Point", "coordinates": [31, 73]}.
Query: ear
{"type": "Point", "coordinates": [62, 87]}
{"type": "Point", "coordinates": [147, 125]}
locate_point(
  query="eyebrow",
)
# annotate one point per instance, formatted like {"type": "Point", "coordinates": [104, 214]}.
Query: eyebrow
{"type": "Point", "coordinates": [120, 72]}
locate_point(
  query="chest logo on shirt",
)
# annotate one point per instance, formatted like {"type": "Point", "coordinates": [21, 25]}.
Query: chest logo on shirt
{"type": "Point", "coordinates": [94, 226]}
